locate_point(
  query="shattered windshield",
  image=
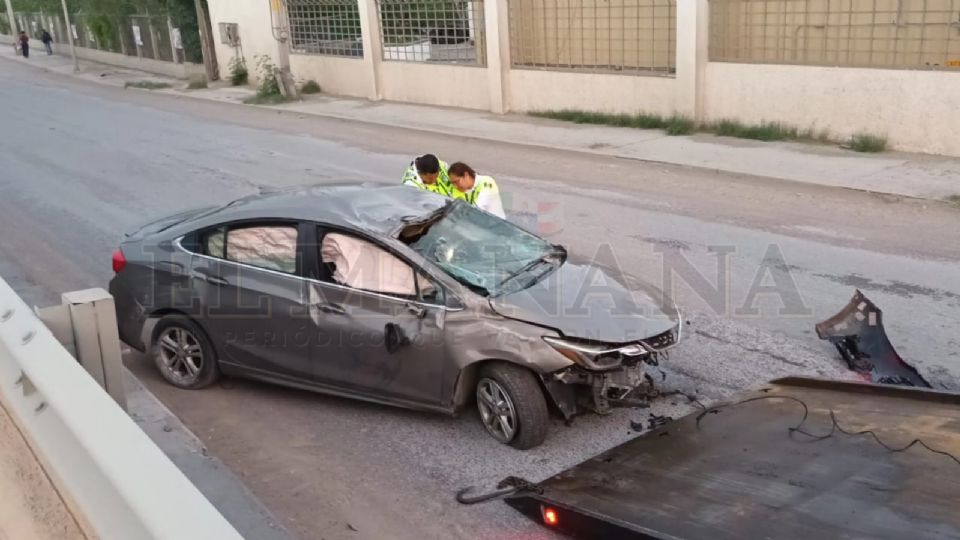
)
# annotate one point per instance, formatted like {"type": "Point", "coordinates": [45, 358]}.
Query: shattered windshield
{"type": "Point", "coordinates": [490, 255]}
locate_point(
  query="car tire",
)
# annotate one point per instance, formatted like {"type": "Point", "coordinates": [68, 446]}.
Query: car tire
{"type": "Point", "coordinates": [516, 394]}
{"type": "Point", "coordinates": [183, 354]}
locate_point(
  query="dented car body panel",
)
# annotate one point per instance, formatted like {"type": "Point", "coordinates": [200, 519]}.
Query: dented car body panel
{"type": "Point", "coordinates": [294, 325]}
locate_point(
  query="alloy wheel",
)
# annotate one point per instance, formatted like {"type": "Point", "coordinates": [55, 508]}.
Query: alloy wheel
{"type": "Point", "coordinates": [497, 412]}
{"type": "Point", "coordinates": [181, 354]}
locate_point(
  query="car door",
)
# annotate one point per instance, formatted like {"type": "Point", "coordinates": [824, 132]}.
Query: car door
{"type": "Point", "coordinates": [374, 335]}
{"type": "Point", "coordinates": [248, 277]}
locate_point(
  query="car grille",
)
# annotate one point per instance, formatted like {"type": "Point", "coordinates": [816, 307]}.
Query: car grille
{"type": "Point", "coordinates": [662, 341]}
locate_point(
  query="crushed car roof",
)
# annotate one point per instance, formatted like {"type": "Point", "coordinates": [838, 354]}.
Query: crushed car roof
{"type": "Point", "coordinates": [370, 207]}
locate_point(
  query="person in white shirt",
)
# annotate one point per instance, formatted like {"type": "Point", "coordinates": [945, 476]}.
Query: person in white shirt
{"type": "Point", "coordinates": [480, 191]}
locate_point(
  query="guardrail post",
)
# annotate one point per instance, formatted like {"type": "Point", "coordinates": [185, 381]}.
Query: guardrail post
{"type": "Point", "coordinates": [86, 325]}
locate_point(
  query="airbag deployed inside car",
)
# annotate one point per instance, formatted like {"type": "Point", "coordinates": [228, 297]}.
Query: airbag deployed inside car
{"type": "Point", "coordinates": [362, 265]}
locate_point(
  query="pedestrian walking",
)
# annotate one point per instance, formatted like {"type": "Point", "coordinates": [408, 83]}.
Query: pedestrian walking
{"type": "Point", "coordinates": [24, 44]}
{"type": "Point", "coordinates": [47, 40]}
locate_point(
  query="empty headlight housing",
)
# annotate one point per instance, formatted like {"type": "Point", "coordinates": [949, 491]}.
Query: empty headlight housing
{"type": "Point", "coordinates": [595, 356]}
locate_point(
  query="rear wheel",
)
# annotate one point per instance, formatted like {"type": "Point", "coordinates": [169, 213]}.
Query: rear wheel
{"type": "Point", "coordinates": [183, 354]}
{"type": "Point", "coordinates": [512, 406]}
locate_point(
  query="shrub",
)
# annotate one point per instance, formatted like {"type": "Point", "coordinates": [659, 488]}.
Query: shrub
{"type": "Point", "coordinates": [866, 142]}
{"type": "Point", "coordinates": [680, 125]}
{"type": "Point", "coordinates": [238, 71]}
{"type": "Point", "coordinates": [310, 87]}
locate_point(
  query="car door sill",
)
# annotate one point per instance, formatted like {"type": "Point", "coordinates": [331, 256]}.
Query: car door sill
{"type": "Point", "coordinates": [329, 389]}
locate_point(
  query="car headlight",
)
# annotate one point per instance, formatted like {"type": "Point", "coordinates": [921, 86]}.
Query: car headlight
{"type": "Point", "coordinates": [592, 355]}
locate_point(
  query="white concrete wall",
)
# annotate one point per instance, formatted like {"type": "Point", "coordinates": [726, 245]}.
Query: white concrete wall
{"type": "Point", "coordinates": [335, 75]}
{"type": "Point", "coordinates": [539, 90]}
{"type": "Point", "coordinates": [435, 84]}
{"type": "Point", "coordinates": [918, 111]}
{"type": "Point", "coordinates": [256, 35]}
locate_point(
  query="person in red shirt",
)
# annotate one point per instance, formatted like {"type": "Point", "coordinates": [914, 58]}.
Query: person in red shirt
{"type": "Point", "coordinates": [24, 44]}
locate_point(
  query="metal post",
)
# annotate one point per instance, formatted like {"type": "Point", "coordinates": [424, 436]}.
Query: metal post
{"type": "Point", "coordinates": [73, 48]}
{"type": "Point", "coordinates": [13, 25]}
{"type": "Point", "coordinates": [173, 46]}
{"type": "Point", "coordinates": [153, 35]}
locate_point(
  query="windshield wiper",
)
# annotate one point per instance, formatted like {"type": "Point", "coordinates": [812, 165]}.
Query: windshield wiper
{"type": "Point", "coordinates": [546, 258]}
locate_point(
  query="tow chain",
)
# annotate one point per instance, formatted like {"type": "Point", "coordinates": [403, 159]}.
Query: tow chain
{"type": "Point", "coordinates": [507, 486]}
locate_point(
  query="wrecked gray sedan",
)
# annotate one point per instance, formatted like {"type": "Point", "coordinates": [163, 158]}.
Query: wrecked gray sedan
{"type": "Point", "coordinates": [394, 295]}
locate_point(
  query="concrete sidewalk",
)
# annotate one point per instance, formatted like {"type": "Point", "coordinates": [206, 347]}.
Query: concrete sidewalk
{"type": "Point", "coordinates": [911, 175]}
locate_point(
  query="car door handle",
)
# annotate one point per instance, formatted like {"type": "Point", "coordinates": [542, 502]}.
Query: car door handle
{"type": "Point", "coordinates": [205, 275]}
{"type": "Point", "coordinates": [331, 309]}
{"type": "Point", "coordinates": [419, 311]}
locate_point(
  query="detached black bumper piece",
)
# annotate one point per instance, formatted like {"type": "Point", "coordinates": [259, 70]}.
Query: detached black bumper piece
{"type": "Point", "coordinates": [798, 459]}
{"type": "Point", "coordinates": [857, 333]}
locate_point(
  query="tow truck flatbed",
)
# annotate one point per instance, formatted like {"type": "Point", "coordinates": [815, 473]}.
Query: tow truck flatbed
{"type": "Point", "coordinates": [738, 470]}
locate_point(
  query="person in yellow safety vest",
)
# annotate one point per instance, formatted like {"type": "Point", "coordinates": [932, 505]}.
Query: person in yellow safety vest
{"type": "Point", "coordinates": [429, 173]}
{"type": "Point", "coordinates": [480, 191]}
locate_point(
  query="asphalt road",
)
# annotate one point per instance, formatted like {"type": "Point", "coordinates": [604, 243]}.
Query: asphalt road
{"type": "Point", "coordinates": [80, 164]}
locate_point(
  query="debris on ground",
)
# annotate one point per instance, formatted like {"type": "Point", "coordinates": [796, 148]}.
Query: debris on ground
{"type": "Point", "coordinates": [857, 333]}
{"type": "Point", "coordinates": [653, 422]}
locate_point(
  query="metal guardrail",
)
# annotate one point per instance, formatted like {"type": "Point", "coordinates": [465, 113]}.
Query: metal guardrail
{"type": "Point", "coordinates": [114, 479]}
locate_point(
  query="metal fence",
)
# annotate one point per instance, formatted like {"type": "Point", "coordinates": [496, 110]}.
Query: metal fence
{"type": "Point", "coordinates": [110, 33]}
{"type": "Point", "coordinates": [620, 36]}
{"type": "Point", "coordinates": [328, 27]}
{"type": "Point", "coordinates": [919, 34]}
{"type": "Point", "coordinates": [447, 31]}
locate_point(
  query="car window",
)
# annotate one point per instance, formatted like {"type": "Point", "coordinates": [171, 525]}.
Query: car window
{"type": "Point", "coordinates": [267, 246]}
{"type": "Point", "coordinates": [430, 292]}
{"type": "Point", "coordinates": [359, 264]}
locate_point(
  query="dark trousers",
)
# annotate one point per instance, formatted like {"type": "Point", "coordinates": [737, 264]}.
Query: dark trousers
{"type": "Point", "coordinates": [49, 47]}
{"type": "Point", "coordinates": [25, 49]}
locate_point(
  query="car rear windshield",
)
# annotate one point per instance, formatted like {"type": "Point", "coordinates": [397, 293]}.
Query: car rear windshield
{"type": "Point", "coordinates": [490, 255]}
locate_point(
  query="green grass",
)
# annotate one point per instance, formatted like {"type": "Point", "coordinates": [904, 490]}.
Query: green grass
{"type": "Point", "coordinates": [953, 199]}
{"type": "Point", "coordinates": [866, 142]}
{"type": "Point", "coordinates": [310, 87]}
{"type": "Point", "coordinates": [146, 85]}
{"type": "Point", "coordinates": [265, 99]}
{"type": "Point", "coordinates": [640, 120]}
{"type": "Point", "coordinates": [197, 85]}
{"type": "Point", "coordinates": [766, 131]}
{"type": "Point", "coordinates": [680, 125]}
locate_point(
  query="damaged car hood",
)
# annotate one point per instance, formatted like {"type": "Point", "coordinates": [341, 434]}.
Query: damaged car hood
{"type": "Point", "coordinates": [591, 302]}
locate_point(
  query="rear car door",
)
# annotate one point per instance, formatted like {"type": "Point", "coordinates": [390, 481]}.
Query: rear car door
{"type": "Point", "coordinates": [248, 276]}
{"type": "Point", "coordinates": [376, 333]}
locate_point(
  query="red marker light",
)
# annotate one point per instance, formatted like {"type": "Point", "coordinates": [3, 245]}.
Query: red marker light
{"type": "Point", "coordinates": [550, 516]}
{"type": "Point", "coordinates": [119, 261]}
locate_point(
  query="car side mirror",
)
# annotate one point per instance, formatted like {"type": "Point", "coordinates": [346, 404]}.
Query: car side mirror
{"type": "Point", "coordinates": [452, 302]}
{"type": "Point", "coordinates": [394, 337]}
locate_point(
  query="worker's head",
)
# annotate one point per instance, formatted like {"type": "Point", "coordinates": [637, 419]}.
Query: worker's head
{"type": "Point", "coordinates": [428, 168]}
{"type": "Point", "coordinates": [462, 176]}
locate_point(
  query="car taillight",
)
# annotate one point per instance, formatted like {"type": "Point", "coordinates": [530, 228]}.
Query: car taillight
{"type": "Point", "coordinates": [119, 261]}
{"type": "Point", "coordinates": [550, 516]}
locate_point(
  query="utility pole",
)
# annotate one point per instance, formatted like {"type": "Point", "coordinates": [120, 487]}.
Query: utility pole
{"type": "Point", "coordinates": [73, 49]}
{"type": "Point", "coordinates": [282, 34]}
{"type": "Point", "coordinates": [13, 26]}
{"type": "Point", "coordinates": [207, 47]}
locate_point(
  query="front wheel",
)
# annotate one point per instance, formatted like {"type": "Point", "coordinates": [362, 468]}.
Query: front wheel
{"type": "Point", "coordinates": [512, 406]}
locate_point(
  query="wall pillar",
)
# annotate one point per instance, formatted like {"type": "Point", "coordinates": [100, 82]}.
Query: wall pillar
{"type": "Point", "coordinates": [693, 28]}
{"type": "Point", "coordinates": [497, 38]}
{"type": "Point", "coordinates": [372, 44]}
